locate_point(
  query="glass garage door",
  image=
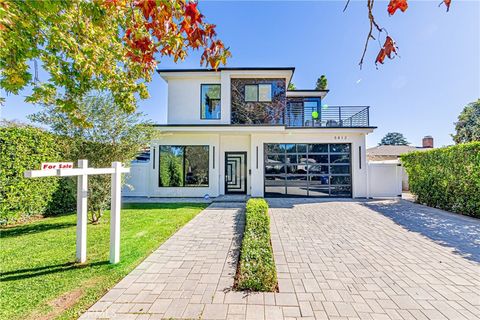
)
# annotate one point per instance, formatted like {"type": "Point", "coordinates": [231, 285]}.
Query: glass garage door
{"type": "Point", "coordinates": [308, 170]}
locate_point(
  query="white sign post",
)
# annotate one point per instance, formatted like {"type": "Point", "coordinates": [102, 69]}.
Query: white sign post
{"type": "Point", "coordinates": [82, 173]}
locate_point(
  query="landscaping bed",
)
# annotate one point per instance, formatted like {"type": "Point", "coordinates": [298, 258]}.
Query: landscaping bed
{"type": "Point", "coordinates": [256, 268]}
{"type": "Point", "coordinates": [39, 278]}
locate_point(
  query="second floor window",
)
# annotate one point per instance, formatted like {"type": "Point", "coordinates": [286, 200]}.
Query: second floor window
{"type": "Point", "coordinates": [210, 101]}
{"type": "Point", "coordinates": [258, 92]}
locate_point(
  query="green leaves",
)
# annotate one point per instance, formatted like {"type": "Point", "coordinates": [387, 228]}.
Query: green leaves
{"type": "Point", "coordinates": [24, 148]}
{"type": "Point", "coordinates": [447, 178]}
{"type": "Point", "coordinates": [468, 126]}
{"type": "Point", "coordinates": [257, 267]}
{"type": "Point", "coordinates": [103, 45]}
{"type": "Point", "coordinates": [394, 139]}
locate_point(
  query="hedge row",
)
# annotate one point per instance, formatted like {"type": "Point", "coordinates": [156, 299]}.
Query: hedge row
{"type": "Point", "coordinates": [257, 267]}
{"type": "Point", "coordinates": [447, 178]}
{"type": "Point", "coordinates": [25, 148]}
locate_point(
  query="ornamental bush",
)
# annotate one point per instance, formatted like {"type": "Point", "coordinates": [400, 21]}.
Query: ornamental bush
{"type": "Point", "coordinates": [24, 148]}
{"type": "Point", "coordinates": [257, 266]}
{"type": "Point", "coordinates": [447, 178]}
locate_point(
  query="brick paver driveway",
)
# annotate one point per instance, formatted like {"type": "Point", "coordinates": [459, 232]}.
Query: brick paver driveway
{"type": "Point", "coordinates": [335, 260]}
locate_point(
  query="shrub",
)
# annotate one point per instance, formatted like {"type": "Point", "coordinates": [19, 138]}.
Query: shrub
{"type": "Point", "coordinates": [257, 266]}
{"type": "Point", "coordinates": [447, 178]}
{"type": "Point", "coordinates": [24, 148]}
{"type": "Point", "coordinates": [64, 199]}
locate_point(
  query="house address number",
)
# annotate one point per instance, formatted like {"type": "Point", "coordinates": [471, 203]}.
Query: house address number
{"type": "Point", "coordinates": [340, 137]}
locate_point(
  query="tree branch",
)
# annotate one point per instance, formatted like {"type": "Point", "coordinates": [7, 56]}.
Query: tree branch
{"type": "Point", "coordinates": [373, 23]}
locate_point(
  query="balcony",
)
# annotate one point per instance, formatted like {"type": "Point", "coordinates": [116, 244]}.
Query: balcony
{"type": "Point", "coordinates": [303, 114]}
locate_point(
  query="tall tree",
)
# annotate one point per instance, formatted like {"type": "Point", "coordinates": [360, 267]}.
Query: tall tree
{"type": "Point", "coordinates": [291, 86]}
{"type": "Point", "coordinates": [114, 136]}
{"type": "Point", "coordinates": [468, 125]}
{"type": "Point", "coordinates": [322, 83]}
{"type": "Point", "coordinates": [97, 45]}
{"type": "Point", "coordinates": [395, 139]}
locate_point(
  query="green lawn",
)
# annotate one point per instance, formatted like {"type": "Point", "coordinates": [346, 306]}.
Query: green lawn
{"type": "Point", "coordinates": [38, 274]}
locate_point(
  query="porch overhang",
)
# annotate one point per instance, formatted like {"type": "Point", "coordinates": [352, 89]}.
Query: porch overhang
{"type": "Point", "coordinates": [228, 128]}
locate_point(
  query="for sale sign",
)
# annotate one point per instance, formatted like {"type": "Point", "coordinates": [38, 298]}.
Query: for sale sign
{"type": "Point", "coordinates": [56, 165]}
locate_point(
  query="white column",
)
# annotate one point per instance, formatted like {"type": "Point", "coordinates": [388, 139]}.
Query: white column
{"type": "Point", "coordinates": [116, 203]}
{"type": "Point", "coordinates": [82, 193]}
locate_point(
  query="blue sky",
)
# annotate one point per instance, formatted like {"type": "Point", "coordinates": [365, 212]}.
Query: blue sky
{"type": "Point", "coordinates": [420, 93]}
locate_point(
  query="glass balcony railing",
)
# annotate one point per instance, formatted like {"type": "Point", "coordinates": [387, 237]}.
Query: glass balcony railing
{"type": "Point", "coordinates": [298, 114]}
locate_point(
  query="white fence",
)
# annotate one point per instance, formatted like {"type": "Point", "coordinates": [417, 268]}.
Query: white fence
{"type": "Point", "coordinates": [384, 179]}
{"type": "Point", "coordinates": [137, 181]}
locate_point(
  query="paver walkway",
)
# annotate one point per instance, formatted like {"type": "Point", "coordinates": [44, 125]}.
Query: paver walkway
{"type": "Point", "coordinates": [335, 260]}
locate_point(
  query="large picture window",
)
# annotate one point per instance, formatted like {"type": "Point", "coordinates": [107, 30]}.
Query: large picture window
{"type": "Point", "coordinates": [210, 101]}
{"type": "Point", "coordinates": [183, 166]}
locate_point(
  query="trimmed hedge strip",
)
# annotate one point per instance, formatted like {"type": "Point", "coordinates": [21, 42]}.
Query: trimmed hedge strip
{"type": "Point", "coordinates": [25, 148]}
{"type": "Point", "coordinates": [447, 178]}
{"type": "Point", "coordinates": [257, 266]}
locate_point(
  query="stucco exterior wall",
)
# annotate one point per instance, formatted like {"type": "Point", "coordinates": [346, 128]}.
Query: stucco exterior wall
{"type": "Point", "coordinates": [253, 144]}
{"type": "Point", "coordinates": [184, 93]}
{"type": "Point", "coordinates": [184, 100]}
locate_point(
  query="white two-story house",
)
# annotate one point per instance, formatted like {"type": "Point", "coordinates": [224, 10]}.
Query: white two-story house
{"type": "Point", "coordinates": [240, 131]}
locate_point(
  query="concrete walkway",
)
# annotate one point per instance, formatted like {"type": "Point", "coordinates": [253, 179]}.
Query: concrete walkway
{"type": "Point", "coordinates": [335, 260]}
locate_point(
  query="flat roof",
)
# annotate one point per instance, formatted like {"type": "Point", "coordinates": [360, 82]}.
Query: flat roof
{"type": "Point", "coordinates": [309, 90]}
{"type": "Point", "coordinates": [226, 69]}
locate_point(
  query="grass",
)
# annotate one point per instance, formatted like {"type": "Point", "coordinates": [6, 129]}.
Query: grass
{"type": "Point", "coordinates": [256, 270]}
{"type": "Point", "coordinates": [39, 278]}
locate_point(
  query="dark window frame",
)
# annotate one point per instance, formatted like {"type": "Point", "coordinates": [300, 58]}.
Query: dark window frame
{"type": "Point", "coordinates": [219, 99]}
{"type": "Point", "coordinates": [257, 85]}
{"type": "Point", "coordinates": [183, 164]}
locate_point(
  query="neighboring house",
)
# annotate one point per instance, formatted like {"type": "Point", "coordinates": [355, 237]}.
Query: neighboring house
{"type": "Point", "coordinates": [240, 131]}
{"type": "Point", "coordinates": [392, 153]}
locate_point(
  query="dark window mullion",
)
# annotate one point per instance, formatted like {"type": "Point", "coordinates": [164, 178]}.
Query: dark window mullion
{"type": "Point", "coordinates": [184, 172]}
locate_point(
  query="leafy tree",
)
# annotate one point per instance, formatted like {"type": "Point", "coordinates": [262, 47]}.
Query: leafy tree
{"type": "Point", "coordinates": [114, 136]}
{"type": "Point", "coordinates": [468, 126]}
{"type": "Point", "coordinates": [322, 83]}
{"type": "Point", "coordinates": [291, 86]}
{"type": "Point", "coordinates": [97, 45]}
{"type": "Point", "coordinates": [394, 139]}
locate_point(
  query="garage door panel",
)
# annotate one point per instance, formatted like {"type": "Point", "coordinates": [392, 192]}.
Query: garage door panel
{"type": "Point", "coordinates": [340, 158]}
{"type": "Point", "coordinates": [339, 169]}
{"type": "Point", "coordinates": [297, 191]}
{"type": "Point", "coordinates": [274, 169]}
{"type": "Point", "coordinates": [318, 148]}
{"type": "Point", "coordinates": [340, 191]}
{"type": "Point", "coordinates": [339, 148]}
{"type": "Point", "coordinates": [297, 169]}
{"type": "Point", "coordinates": [340, 180]}
{"type": "Point", "coordinates": [317, 170]}
{"type": "Point", "coordinates": [318, 191]}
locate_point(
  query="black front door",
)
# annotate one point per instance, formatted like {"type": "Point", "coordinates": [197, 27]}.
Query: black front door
{"type": "Point", "coordinates": [236, 172]}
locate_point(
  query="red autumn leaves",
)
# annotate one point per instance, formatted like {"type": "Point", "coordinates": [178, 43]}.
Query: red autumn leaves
{"type": "Point", "coordinates": [167, 28]}
{"type": "Point", "coordinates": [397, 4]}
{"type": "Point", "coordinates": [389, 48]}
